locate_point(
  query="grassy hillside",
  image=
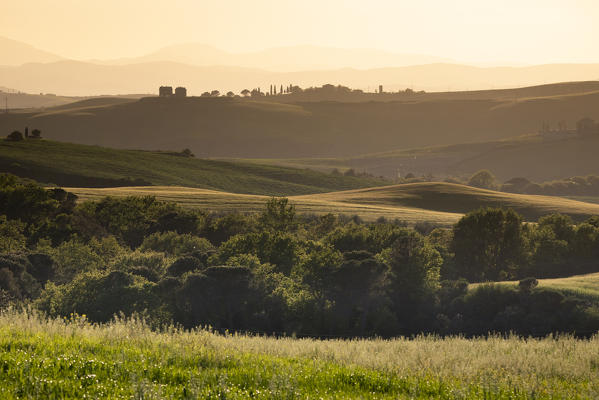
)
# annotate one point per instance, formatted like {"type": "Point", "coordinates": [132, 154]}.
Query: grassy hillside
{"type": "Point", "coordinates": [585, 287]}
{"type": "Point", "coordinates": [74, 359]}
{"type": "Point", "coordinates": [78, 165]}
{"type": "Point", "coordinates": [442, 203]}
{"type": "Point", "coordinates": [222, 127]}
{"type": "Point", "coordinates": [226, 202]}
{"type": "Point", "coordinates": [448, 197]}
{"type": "Point", "coordinates": [530, 156]}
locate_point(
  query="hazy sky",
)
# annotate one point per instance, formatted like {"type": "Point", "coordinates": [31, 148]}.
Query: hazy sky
{"type": "Point", "coordinates": [501, 31]}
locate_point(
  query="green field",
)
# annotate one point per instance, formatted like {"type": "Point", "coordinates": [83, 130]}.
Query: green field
{"type": "Point", "coordinates": [441, 203]}
{"type": "Point", "coordinates": [70, 164]}
{"type": "Point", "coordinates": [43, 358]}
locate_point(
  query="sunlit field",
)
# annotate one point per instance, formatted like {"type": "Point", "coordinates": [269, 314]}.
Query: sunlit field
{"type": "Point", "coordinates": [125, 359]}
{"type": "Point", "coordinates": [437, 202]}
{"type": "Point", "coordinates": [581, 286]}
{"type": "Point", "coordinates": [215, 201]}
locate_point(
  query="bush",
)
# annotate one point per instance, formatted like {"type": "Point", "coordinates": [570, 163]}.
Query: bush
{"type": "Point", "coordinates": [483, 179]}
{"type": "Point", "coordinates": [100, 296]}
{"type": "Point", "coordinates": [15, 136]}
{"type": "Point", "coordinates": [526, 285]}
{"type": "Point", "coordinates": [183, 265]}
{"type": "Point", "coordinates": [174, 244]}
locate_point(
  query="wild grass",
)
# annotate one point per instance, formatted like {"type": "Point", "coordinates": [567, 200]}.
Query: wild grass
{"type": "Point", "coordinates": [56, 358]}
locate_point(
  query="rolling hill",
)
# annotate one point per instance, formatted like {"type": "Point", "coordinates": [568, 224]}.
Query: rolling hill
{"type": "Point", "coordinates": [534, 157]}
{"type": "Point", "coordinates": [439, 203]}
{"type": "Point", "coordinates": [78, 165]}
{"type": "Point", "coordinates": [222, 127]}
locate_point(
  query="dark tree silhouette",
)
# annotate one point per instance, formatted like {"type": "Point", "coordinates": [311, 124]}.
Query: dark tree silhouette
{"type": "Point", "coordinates": [15, 136]}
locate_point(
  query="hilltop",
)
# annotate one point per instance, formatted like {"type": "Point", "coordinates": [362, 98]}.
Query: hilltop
{"type": "Point", "coordinates": [222, 127]}
{"type": "Point", "coordinates": [70, 164]}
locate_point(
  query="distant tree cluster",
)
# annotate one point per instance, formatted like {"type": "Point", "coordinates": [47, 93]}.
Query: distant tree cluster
{"type": "Point", "coordinates": [287, 273]}
{"type": "Point", "coordinates": [17, 136]}
{"type": "Point", "coordinates": [574, 186]}
{"type": "Point", "coordinates": [325, 92]}
{"type": "Point", "coordinates": [587, 126]}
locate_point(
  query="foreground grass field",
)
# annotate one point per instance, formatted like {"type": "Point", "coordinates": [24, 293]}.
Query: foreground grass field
{"type": "Point", "coordinates": [441, 203]}
{"type": "Point", "coordinates": [43, 358]}
{"type": "Point", "coordinates": [70, 164]}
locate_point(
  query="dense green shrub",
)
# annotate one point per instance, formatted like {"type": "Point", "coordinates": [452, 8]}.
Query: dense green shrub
{"type": "Point", "coordinates": [282, 273]}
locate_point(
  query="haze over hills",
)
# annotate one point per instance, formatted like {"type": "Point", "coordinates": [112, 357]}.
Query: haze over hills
{"type": "Point", "coordinates": [96, 79]}
{"type": "Point", "coordinates": [204, 68]}
{"type": "Point", "coordinates": [222, 127]}
{"type": "Point", "coordinates": [13, 52]}
{"type": "Point", "coordinates": [283, 59]}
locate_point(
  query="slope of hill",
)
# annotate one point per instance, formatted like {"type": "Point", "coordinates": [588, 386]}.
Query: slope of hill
{"type": "Point", "coordinates": [217, 201]}
{"type": "Point", "coordinates": [453, 198]}
{"type": "Point", "coordinates": [439, 203]}
{"type": "Point", "coordinates": [534, 157]}
{"type": "Point", "coordinates": [222, 127]}
{"type": "Point", "coordinates": [585, 287]}
{"type": "Point", "coordinates": [79, 165]}
{"type": "Point", "coordinates": [15, 53]}
{"type": "Point", "coordinates": [17, 100]}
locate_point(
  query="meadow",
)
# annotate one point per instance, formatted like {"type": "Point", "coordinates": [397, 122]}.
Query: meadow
{"type": "Point", "coordinates": [72, 358]}
{"type": "Point", "coordinates": [439, 203]}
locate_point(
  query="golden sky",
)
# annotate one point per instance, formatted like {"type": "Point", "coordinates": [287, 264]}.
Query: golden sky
{"type": "Point", "coordinates": [477, 31]}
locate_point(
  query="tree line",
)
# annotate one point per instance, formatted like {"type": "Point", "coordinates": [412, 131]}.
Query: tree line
{"type": "Point", "coordinates": [279, 272]}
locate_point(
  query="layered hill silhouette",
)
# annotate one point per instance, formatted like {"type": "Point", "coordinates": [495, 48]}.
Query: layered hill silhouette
{"type": "Point", "coordinates": [95, 79]}
{"type": "Point", "coordinates": [282, 59]}
{"type": "Point", "coordinates": [13, 52]}
{"type": "Point", "coordinates": [221, 127]}
{"type": "Point", "coordinates": [201, 67]}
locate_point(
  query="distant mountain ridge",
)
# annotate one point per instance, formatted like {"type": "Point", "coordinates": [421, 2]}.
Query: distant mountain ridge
{"type": "Point", "coordinates": [283, 59]}
{"type": "Point", "coordinates": [204, 68]}
{"type": "Point", "coordinates": [76, 78]}
{"type": "Point", "coordinates": [14, 53]}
